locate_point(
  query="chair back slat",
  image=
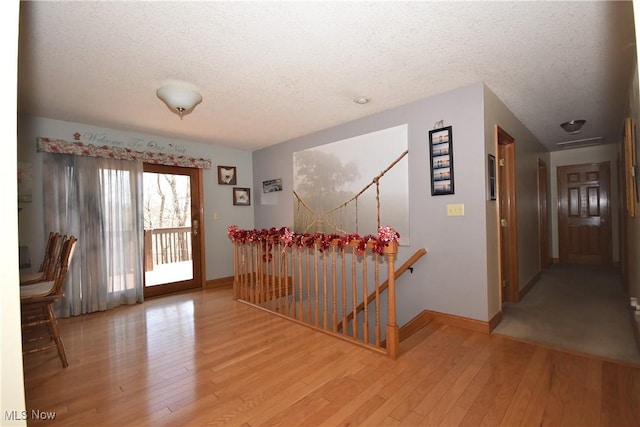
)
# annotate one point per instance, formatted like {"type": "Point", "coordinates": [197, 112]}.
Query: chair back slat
{"type": "Point", "coordinates": [63, 262]}
{"type": "Point", "coordinates": [48, 265]}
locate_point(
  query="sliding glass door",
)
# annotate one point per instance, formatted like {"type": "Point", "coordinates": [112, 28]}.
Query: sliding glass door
{"type": "Point", "coordinates": [172, 229]}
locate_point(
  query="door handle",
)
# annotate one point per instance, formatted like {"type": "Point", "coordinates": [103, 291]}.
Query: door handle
{"type": "Point", "coordinates": [195, 227]}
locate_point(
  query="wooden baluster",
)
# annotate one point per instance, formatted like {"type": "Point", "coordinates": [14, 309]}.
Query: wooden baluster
{"type": "Point", "coordinates": [316, 306]}
{"type": "Point", "coordinates": [377, 299]}
{"type": "Point", "coordinates": [294, 293]}
{"type": "Point", "coordinates": [241, 267]}
{"type": "Point", "coordinates": [271, 257]}
{"type": "Point", "coordinates": [284, 276]}
{"type": "Point", "coordinates": [365, 296]}
{"type": "Point", "coordinates": [277, 253]}
{"type": "Point", "coordinates": [308, 258]}
{"type": "Point", "coordinates": [270, 295]}
{"type": "Point", "coordinates": [248, 285]}
{"type": "Point", "coordinates": [244, 269]}
{"type": "Point", "coordinates": [267, 280]}
{"type": "Point", "coordinates": [259, 277]}
{"type": "Point", "coordinates": [333, 288]}
{"type": "Point", "coordinates": [343, 252]}
{"type": "Point", "coordinates": [325, 308]}
{"type": "Point", "coordinates": [253, 283]}
{"type": "Point", "coordinates": [393, 332]}
{"type": "Point", "coordinates": [354, 292]}
{"type": "Point", "coordinates": [236, 266]}
{"type": "Point", "coordinates": [300, 283]}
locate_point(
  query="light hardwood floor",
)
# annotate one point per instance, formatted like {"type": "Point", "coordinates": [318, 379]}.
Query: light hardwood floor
{"type": "Point", "coordinates": [201, 358]}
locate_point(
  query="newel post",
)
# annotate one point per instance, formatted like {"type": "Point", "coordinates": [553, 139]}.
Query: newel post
{"type": "Point", "coordinates": [393, 332]}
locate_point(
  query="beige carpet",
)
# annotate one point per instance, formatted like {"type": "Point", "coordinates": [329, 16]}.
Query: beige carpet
{"type": "Point", "coordinates": [578, 308]}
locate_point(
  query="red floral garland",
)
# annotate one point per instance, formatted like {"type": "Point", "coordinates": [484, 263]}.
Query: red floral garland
{"type": "Point", "coordinates": [269, 237]}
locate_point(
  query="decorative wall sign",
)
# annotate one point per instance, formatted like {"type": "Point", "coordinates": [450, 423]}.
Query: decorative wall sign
{"type": "Point", "coordinates": [441, 154]}
{"type": "Point", "coordinates": [241, 196]}
{"type": "Point", "coordinates": [491, 177]}
{"type": "Point", "coordinates": [272, 185]}
{"type": "Point", "coordinates": [227, 175]}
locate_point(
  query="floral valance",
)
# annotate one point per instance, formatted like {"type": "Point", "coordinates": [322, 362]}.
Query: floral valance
{"type": "Point", "coordinates": [120, 153]}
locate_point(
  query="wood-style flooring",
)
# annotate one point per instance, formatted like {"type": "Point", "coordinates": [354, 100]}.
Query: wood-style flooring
{"type": "Point", "coordinates": [201, 358]}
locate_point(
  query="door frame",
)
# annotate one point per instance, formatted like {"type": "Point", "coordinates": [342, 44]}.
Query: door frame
{"type": "Point", "coordinates": [197, 241]}
{"type": "Point", "coordinates": [507, 211]}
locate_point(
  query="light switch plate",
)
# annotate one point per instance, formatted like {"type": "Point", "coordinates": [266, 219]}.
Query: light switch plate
{"type": "Point", "coordinates": [455, 210]}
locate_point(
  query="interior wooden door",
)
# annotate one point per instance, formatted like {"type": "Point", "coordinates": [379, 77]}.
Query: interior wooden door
{"type": "Point", "coordinates": [584, 228]}
{"type": "Point", "coordinates": [510, 288]}
{"type": "Point", "coordinates": [173, 241]}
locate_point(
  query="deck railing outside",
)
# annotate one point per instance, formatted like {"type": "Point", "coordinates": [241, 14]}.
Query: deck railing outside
{"type": "Point", "coordinates": [320, 280]}
{"type": "Point", "coordinates": [166, 245]}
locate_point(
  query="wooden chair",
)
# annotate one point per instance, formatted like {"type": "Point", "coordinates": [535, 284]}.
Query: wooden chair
{"type": "Point", "coordinates": [47, 268]}
{"type": "Point", "coordinates": [36, 302]}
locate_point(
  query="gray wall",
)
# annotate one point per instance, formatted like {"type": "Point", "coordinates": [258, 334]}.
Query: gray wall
{"type": "Point", "coordinates": [219, 211]}
{"type": "Point", "coordinates": [633, 223]}
{"type": "Point", "coordinates": [528, 151]}
{"type": "Point", "coordinates": [452, 277]}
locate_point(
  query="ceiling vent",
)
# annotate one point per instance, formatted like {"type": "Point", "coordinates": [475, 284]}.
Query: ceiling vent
{"type": "Point", "coordinates": [579, 142]}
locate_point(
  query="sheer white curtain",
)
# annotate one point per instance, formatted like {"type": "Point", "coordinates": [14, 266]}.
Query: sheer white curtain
{"type": "Point", "coordinates": [100, 202]}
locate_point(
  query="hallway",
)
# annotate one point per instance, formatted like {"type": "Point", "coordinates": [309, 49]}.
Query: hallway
{"type": "Point", "coordinates": [578, 308]}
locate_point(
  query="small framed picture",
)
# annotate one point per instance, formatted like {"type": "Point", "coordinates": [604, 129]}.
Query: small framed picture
{"type": "Point", "coordinates": [491, 178]}
{"type": "Point", "coordinates": [272, 185]}
{"type": "Point", "coordinates": [241, 196]}
{"type": "Point", "coordinates": [226, 175]}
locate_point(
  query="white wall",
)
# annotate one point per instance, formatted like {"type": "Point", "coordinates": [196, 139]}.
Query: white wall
{"type": "Point", "coordinates": [219, 211]}
{"type": "Point", "coordinates": [578, 156]}
{"type": "Point", "coordinates": [451, 278]}
{"type": "Point", "coordinates": [11, 380]}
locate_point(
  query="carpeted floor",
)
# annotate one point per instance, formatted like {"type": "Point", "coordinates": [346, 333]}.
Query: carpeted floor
{"type": "Point", "coordinates": [578, 308]}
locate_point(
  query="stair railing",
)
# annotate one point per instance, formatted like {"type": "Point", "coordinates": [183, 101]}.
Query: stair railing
{"type": "Point", "coordinates": [399, 272]}
{"type": "Point", "coordinates": [318, 280]}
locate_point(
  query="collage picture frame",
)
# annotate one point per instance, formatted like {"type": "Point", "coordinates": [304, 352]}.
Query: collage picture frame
{"type": "Point", "coordinates": [441, 161]}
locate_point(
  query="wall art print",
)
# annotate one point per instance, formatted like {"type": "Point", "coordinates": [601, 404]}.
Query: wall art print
{"type": "Point", "coordinates": [441, 160]}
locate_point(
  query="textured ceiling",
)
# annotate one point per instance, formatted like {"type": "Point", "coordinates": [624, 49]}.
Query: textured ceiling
{"type": "Point", "coordinates": [271, 71]}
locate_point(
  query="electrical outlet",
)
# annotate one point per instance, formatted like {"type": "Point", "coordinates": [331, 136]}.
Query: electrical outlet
{"type": "Point", "coordinates": [455, 210]}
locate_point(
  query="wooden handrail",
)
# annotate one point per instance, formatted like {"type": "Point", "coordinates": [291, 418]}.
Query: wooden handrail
{"type": "Point", "coordinates": [399, 272]}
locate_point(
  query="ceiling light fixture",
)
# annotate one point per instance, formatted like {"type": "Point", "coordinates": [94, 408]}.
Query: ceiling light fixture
{"type": "Point", "coordinates": [361, 100]}
{"type": "Point", "coordinates": [572, 126]}
{"type": "Point", "coordinates": [179, 97]}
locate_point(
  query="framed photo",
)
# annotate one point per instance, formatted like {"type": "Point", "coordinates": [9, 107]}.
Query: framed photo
{"type": "Point", "coordinates": [226, 175]}
{"type": "Point", "coordinates": [241, 196]}
{"type": "Point", "coordinates": [441, 161]}
{"type": "Point", "coordinates": [272, 185]}
{"type": "Point", "coordinates": [491, 177]}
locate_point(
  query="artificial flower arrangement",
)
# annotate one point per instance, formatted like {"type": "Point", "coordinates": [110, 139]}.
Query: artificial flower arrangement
{"type": "Point", "coordinates": [274, 235]}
